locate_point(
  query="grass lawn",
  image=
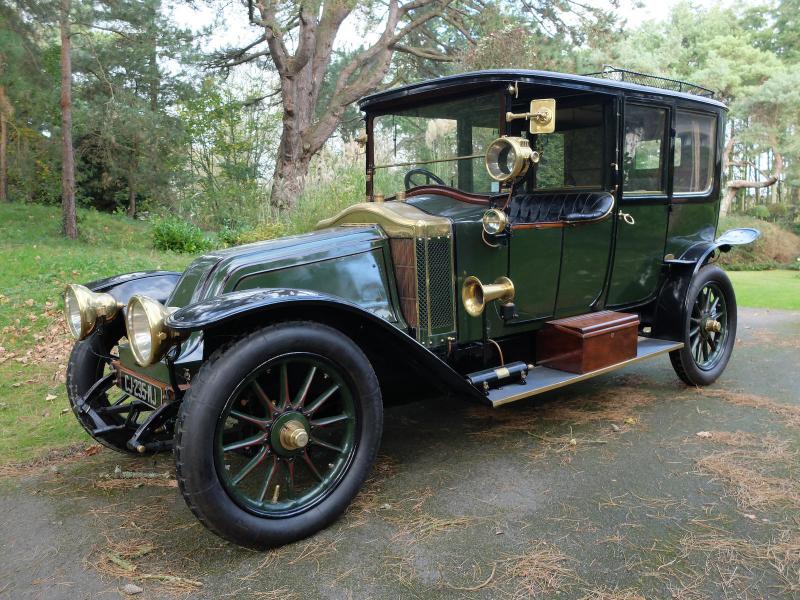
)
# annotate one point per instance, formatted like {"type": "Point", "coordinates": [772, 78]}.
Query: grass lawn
{"type": "Point", "coordinates": [767, 289]}
{"type": "Point", "coordinates": [36, 265]}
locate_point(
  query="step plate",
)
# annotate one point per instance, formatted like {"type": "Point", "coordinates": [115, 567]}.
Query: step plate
{"type": "Point", "coordinates": [544, 379]}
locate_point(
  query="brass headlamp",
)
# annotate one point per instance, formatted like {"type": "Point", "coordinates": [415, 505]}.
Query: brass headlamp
{"type": "Point", "coordinates": [148, 334]}
{"type": "Point", "coordinates": [83, 308]}
{"type": "Point", "coordinates": [509, 157]}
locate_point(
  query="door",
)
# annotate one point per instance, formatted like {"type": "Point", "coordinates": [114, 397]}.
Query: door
{"type": "Point", "coordinates": [644, 205]}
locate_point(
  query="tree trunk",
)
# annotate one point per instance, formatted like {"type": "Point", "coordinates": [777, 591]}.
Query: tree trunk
{"type": "Point", "coordinates": [134, 164]}
{"type": "Point", "coordinates": [69, 218]}
{"type": "Point", "coordinates": [289, 179]}
{"type": "Point", "coordinates": [131, 195]}
{"type": "Point", "coordinates": [3, 157]}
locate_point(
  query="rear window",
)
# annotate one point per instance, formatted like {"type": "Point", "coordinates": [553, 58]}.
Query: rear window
{"type": "Point", "coordinates": [694, 152]}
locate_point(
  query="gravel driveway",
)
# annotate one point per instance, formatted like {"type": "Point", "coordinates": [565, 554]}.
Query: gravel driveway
{"type": "Point", "coordinates": [627, 486]}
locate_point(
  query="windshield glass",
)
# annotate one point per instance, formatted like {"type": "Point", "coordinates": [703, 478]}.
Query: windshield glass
{"type": "Point", "coordinates": [437, 144]}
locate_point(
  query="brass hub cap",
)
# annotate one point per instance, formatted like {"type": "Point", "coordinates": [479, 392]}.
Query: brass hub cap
{"type": "Point", "coordinates": [293, 436]}
{"type": "Point", "coordinates": [713, 326]}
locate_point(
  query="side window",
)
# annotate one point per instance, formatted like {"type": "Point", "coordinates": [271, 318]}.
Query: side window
{"type": "Point", "coordinates": [572, 156]}
{"type": "Point", "coordinates": [694, 152]}
{"type": "Point", "coordinates": [645, 150]}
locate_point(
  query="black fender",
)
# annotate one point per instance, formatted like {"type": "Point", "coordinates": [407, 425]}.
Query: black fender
{"type": "Point", "coordinates": [155, 284]}
{"type": "Point", "coordinates": [672, 303]}
{"type": "Point", "coordinates": [235, 312]}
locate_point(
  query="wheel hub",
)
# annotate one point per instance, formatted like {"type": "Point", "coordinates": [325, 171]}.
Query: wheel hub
{"type": "Point", "coordinates": [293, 435]}
{"type": "Point", "coordinates": [713, 326]}
{"type": "Point", "coordinates": [289, 434]}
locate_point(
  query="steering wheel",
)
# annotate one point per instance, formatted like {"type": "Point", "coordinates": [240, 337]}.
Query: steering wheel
{"type": "Point", "coordinates": [409, 178]}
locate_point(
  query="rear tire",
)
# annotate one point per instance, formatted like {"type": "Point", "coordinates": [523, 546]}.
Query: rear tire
{"type": "Point", "coordinates": [239, 475]}
{"type": "Point", "coordinates": [706, 351]}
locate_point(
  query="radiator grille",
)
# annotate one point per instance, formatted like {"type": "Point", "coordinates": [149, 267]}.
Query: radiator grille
{"type": "Point", "coordinates": [435, 291]}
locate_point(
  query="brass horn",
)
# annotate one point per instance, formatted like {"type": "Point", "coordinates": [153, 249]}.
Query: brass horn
{"type": "Point", "coordinates": [475, 295]}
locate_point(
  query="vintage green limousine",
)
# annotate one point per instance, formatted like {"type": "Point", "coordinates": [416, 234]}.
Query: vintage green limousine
{"type": "Point", "coordinates": [521, 231]}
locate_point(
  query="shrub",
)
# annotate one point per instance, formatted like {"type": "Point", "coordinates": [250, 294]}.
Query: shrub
{"type": "Point", "coordinates": [776, 248]}
{"type": "Point", "coordinates": [178, 235]}
{"type": "Point", "coordinates": [759, 212]}
{"type": "Point", "coordinates": [778, 211]}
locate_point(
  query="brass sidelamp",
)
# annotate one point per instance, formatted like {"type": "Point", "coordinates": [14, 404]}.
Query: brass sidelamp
{"type": "Point", "coordinates": [475, 295]}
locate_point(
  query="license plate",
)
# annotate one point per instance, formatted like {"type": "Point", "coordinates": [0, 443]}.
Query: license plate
{"type": "Point", "coordinates": [141, 389]}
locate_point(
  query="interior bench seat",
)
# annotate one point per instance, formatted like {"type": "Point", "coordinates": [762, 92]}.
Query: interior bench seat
{"type": "Point", "coordinates": [565, 207]}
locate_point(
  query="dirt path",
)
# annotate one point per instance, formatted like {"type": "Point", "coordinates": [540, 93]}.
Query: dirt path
{"type": "Point", "coordinates": [600, 491]}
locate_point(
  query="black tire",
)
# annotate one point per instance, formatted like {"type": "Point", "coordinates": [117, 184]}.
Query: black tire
{"type": "Point", "coordinates": [87, 364]}
{"type": "Point", "coordinates": [219, 384]}
{"type": "Point", "coordinates": [690, 363]}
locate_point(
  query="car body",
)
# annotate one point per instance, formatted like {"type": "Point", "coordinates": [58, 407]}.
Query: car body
{"type": "Point", "coordinates": [503, 209]}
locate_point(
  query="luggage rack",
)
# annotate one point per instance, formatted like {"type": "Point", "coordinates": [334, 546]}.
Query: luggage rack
{"type": "Point", "coordinates": [665, 83]}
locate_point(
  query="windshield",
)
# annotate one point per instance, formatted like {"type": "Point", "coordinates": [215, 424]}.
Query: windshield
{"type": "Point", "coordinates": [436, 144]}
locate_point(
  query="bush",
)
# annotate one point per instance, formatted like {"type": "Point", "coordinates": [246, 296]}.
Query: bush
{"type": "Point", "coordinates": [265, 231]}
{"type": "Point", "coordinates": [777, 248]}
{"type": "Point", "coordinates": [178, 235]}
{"type": "Point", "coordinates": [759, 212]}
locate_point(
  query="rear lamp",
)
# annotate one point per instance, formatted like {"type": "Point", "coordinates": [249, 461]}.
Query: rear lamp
{"type": "Point", "coordinates": [83, 308]}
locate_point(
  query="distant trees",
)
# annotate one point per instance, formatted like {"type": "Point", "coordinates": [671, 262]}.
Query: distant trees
{"type": "Point", "coordinates": [297, 42]}
{"type": "Point", "coordinates": [228, 137]}
{"type": "Point", "coordinates": [751, 58]}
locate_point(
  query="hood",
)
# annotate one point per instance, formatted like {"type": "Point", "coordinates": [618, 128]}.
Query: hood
{"type": "Point", "coordinates": [275, 263]}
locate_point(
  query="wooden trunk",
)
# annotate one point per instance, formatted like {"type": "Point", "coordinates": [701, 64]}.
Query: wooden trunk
{"type": "Point", "coordinates": [587, 342]}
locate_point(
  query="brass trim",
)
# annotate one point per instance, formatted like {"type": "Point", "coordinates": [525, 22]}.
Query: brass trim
{"type": "Point", "coordinates": [161, 337]}
{"type": "Point", "coordinates": [397, 219]}
{"type": "Point", "coordinates": [293, 436]}
{"type": "Point", "coordinates": [585, 376]}
{"type": "Point", "coordinates": [523, 154]}
{"type": "Point", "coordinates": [428, 162]}
{"type": "Point", "coordinates": [475, 295]}
{"type": "Point", "coordinates": [542, 116]}
{"type": "Point", "coordinates": [91, 306]}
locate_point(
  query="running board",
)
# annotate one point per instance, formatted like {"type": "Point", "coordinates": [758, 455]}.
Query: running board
{"type": "Point", "coordinates": [544, 379]}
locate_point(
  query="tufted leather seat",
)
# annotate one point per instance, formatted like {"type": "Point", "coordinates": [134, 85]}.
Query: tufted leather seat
{"type": "Point", "coordinates": [567, 207]}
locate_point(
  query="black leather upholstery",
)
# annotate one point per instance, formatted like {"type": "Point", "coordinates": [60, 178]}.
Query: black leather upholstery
{"type": "Point", "coordinates": [570, 207]}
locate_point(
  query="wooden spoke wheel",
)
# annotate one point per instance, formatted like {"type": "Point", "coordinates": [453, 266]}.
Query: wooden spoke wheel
{"type": "Point", "coordinates": [709, 328]}
{"type": "Point", "coordinates": [287, 436]}
{"type": "Point", "coordinates": [277, 433]}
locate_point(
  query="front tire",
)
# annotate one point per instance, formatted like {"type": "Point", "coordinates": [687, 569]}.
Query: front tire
{"type": "Point", "coordinates": [89, 362]}
{"type": "Point", "coordinates": [709, 328]}
{"type": "Point", "coordinates": [277, 434]}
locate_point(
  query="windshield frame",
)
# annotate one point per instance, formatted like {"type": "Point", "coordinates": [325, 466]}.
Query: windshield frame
{"type": "Point", "coordinates": [500, 92]}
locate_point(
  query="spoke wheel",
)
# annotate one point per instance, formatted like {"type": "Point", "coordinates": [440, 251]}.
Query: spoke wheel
{"type": "Point", "coordinates": [277, 433]}
{"type": "Point", "coordinates": [709, 328]}
{"type": "Point", "coordinates": [286, 435]}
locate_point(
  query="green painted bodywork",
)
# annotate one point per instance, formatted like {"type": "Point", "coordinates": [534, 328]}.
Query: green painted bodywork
{"type": "Point", "coordinates": [691, 223]}
{"type": "Point", "coordinates": [352, 263]}
{"type": "Point", "coordinates": [534, 268]}
{"type": "Point", "coordinates": [639, 253]}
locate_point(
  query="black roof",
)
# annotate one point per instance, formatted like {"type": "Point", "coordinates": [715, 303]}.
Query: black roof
{"type": "Point", "coordinates": [498, 76]}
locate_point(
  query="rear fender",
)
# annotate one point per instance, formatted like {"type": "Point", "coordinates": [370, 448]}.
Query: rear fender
{"type": "Point", "coordinates": [672, 302]}
{"type": "Point", "coordinates": [391, 350]}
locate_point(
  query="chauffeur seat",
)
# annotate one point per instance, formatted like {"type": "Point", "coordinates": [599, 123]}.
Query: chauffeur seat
{"type": "Point", "coordinates": [565, 207]}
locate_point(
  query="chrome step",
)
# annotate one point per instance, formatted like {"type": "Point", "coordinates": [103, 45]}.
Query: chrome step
{"type": "Point", "coordinates": [544, 379]}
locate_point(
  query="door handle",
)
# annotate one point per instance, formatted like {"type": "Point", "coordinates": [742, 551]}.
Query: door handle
{"type": "Point", "coordinates": [627, 217]}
